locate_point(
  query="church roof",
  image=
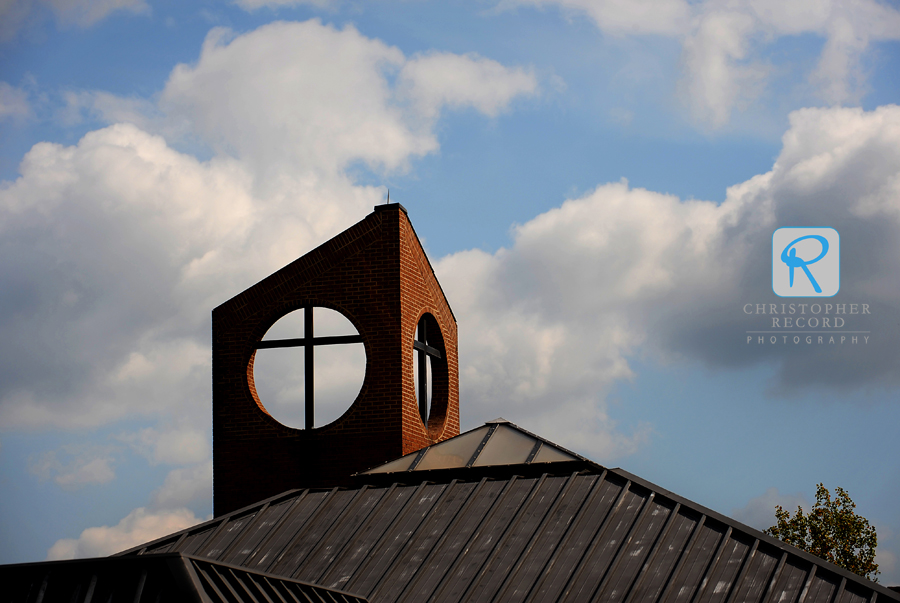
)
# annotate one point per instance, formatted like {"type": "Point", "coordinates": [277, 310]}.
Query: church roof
{"type": "Point", "coordinates": [524, 531]}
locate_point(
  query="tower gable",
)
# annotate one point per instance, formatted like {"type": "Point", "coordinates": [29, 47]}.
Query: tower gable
{"type": "Point", "coordinates": [377, 275]}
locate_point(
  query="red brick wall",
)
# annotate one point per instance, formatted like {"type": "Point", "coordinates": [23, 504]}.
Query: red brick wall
{"type": "Point", "coordinates": [377, 275]}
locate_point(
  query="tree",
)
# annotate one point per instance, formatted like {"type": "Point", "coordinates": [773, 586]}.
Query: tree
{"type": "Point", "coordinates": [832, 531]}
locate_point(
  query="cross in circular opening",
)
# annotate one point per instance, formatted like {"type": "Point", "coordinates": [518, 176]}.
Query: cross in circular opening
{"type": "Point", "coordinates": [421, 345]}
{"type": "Point", "coordinates": [308, 342]}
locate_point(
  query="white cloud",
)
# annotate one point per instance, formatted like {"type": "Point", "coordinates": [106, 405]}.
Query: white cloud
{"type": "Point", "coordinates": [440, 79]}
{"type": "Point", "coordinates": [114, 250]}
{"type": "Point", "coordinates": [72, 467]}
{"type": "Point", "coordinates": [718, 75]}
{"type": "Point", "coordinates": [137, 527]}
{"type": "Point", "coordinates": [849, 29]}
{"type": "Point", "coordinates": [13, 102]}
{"type": "Point", "coordinates": [555, 317]}
{"type": "Point", "coordinates": [546, 326]}
{"type": "Point", "coordinates": [723, 53]}
{"type": "Point", "coordinates": [301, 94]}
{"type": "Point", "coordinates": [185, 487]}
{"type": "Point", "coordinates": [313, 99]}
{"type": "Point", "coordinates": [549, 324]}
{"type": "Point", "coordinates": [725, 43]}
{"type": "Point", "coordinates": [759, 512]}
{"type": "Point", "coordinates": [121, 214]}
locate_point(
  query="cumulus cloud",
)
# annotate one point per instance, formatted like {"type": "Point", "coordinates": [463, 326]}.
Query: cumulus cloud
{"type": "Point", "coordinates": [722, 54]}
{"type": "Point", "coordinates": [317, 98]}
{"type": "Point", "coordinates": [443, 79]}
{"type": "Point", "coordinates": [725, 43]}
{"type": "Point", "coordinates": [114, 250]}
{"type": "Point", "coordinates": [302, 94]}
{"type": "Point", "coordinates": [759, 512]}
{"type": "Point", "coordinates": [91, 235]}
{"type": "Point", "coordinates": [186, 487]}
{"type": "Point", "coordinates": [550, 323]}
{"type": "Point", "coordinates": [137, 527]}
{"type": "Point", "coordinates": [546, 326]}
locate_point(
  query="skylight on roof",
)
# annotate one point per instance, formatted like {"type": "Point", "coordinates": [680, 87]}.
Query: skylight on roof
{"type": "Point", "coordinates": [496, 443]}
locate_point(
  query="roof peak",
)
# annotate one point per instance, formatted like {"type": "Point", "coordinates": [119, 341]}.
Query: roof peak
{"type": "Point", "coordinates": [389, 206]}
{"type": "Point", "coordinates": [494, 444]}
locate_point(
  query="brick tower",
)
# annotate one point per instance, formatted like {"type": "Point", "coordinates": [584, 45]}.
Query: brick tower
{"type": "Point", "coordinates": [376, 274]}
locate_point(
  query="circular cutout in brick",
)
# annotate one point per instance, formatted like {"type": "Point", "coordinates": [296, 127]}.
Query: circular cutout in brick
{"type": "Point", "coordinates": [339, 367]}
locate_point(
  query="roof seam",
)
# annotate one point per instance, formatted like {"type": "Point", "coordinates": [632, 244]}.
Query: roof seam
{"type": "Point", "coordinates": [526, 550]}
{"type": "Point", "coordinates": [652, 553]}
{"type": "Point", "coordinates": [523, 509]}
{"type": "Point", "coordinates": [362, 526]}
{"type": "Point", "coordinates": [576, 520]}
{"type": "Point", "coordinates": [739, 579]}
{"type": "Point", "coordinates": [331, 526]}
{"type": "Point", "coordinates": [290, 540]}
{"type": "Point", "coordinates": [476, 533]}
{"type": "Point", "coordinates": [640, 518]}
{"type": "Point", "coordinates": [398, 518]}
{"type": "Point", "coordinates": [602, 528]}
{"type": "Point", "coordinates": [437, 546]}
{"type": "Point", "coordinates": [274, 529]}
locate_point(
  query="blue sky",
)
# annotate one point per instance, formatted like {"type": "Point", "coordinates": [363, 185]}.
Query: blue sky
{"type": "Point", "coordinates": [596, 183]}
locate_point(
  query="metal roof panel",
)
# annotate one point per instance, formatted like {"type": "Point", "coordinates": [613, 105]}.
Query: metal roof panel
{"type": "Point", "coordinates": [588, 535]}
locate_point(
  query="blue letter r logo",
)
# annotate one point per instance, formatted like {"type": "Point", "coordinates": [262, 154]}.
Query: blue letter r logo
{"type": "Point", "coordinates": [795, 249]}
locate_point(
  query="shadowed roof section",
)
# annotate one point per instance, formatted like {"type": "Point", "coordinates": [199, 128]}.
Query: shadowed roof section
{"type": "Point", "coordinates": [168, 577]}
{"type": "Point", "coordinates": [522, 531]}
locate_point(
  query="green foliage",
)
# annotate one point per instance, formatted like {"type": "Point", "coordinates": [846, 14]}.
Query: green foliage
{"type": "Point", "coordinates": [832, 531]}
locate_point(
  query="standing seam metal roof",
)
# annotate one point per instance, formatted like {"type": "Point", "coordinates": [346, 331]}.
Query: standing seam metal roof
{"type": "Point", "coordinates": [600, 535]}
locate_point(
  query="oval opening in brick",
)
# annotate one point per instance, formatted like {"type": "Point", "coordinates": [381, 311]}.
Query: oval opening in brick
{"type": "Point", "coordinates": [339, 367]}
{"type": "Point", "coordinates": [430, 369]}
